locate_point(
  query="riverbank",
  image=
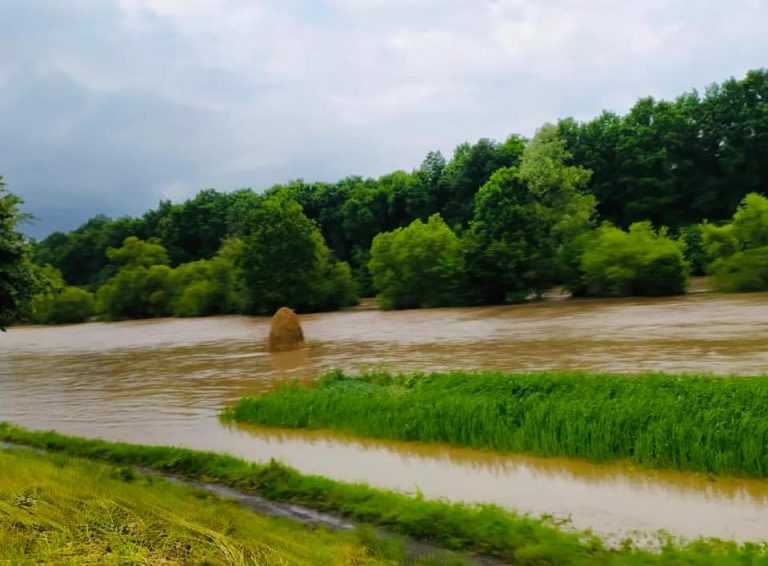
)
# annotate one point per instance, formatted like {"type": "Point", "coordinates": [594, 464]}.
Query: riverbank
{"type": "Point", "coordinates": [694, 423]}
{"type": "Point", "coordinates": [55, 509]}
{"type": "Point", "coordinates": [485, 529]}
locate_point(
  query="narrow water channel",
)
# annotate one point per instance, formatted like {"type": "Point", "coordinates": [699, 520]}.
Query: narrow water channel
{"type": "Point", "coordinates": [164, 381]}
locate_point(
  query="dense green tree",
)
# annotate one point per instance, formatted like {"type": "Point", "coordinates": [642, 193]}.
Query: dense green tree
{"type": "Point", "coordinates": [287, 263]}
{"type": "Point", "coordinates": [241, 203]}
{"type": "Point", "coordinates": [743, 271]}
{"type": "Point", "coordinates": [195, 228]}
{"type": "Point", "coordinates": [214, 286]}
{"type": "Point", "coordinates": [137, 253]}
{"type": "Point", "coordinates": [524, 219]}
{"type": "Point", "coordinates": [323, 203]}
{"type": "Point", "coordinates": [51, 284]}
{"type": "Point", "coordinates": [468, 170]}
{"type": "Point", "coordinates": [425, 199]}
{"type": "Point", "coordinates": [81, 254]}
{"type": "Point", "coordinates": [695, 253]}
{"type": "Point", "coordinates": [740, 249]}
{"type": "Point", "coordinates": [142, 286]}
{"type": "Point", "coordinates": [136, 292]}
{"type": "Point", "coordinates": [677, 162]}
{"type": "Point", "coordinates": [639, 262]}
{"type": "Point", "coordinates": [18, 283]}
{"type": "Point", "coordinates": [69, 306]}
{"type": "Point", "coordinates": [417, 266]}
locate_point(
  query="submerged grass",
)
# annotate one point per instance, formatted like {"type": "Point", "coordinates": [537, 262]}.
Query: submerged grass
{"type": "Point", "coordinates": [696, 423]}
{"type": "Point", "coordinates": [56, 509]}
{"type": "Point", "coordinates": [485, 529]}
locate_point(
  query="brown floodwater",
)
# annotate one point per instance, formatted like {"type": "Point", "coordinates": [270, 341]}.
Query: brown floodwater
{"type": "Point", "coordinates": [164, 382]}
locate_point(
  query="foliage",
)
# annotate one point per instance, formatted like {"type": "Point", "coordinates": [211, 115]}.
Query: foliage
{"type": "Point", "coordinates": [81, 254]}
{"type": "Point", "coordinates": [677, 162]}
{"type": "Point", "coordinates": [740, 248]}
{"type": "Point", "coordinates": [195, 229]}
{"type": "Point", "coordinates": [640, 262]}
{"type": "Point", "coordinates": [50, 284]}
{"type": "Point", "coordinates": [287, 263]}
{"type": "Point", "coordinates": [485, 529]}
{"type": "Point", "coordinates": [469, 169]}
{"type": "Point", "coordinates": [142, 286]}
{"type": "Point", "coordinates": [214, 286]}
{"type": "Point", "coordinates": [60, 510]}
{"type": "Point", "coordinates": [524, 217]}
{"type": "Point", "coordinates": [136, 292]}
{"type": "Point", "coordinates": [18, 283]}
{"type": "Point", "coordinates": [137, 253]}
{"type": "Point", "coordinates": [417, 266]}
{"type": "Point", "coordinates": [70, 305]}
{"type": "Point", "coordinates": [692, 238]}
{"type": "Point", "coordinates": [708, 424]}
{"type": "Point", "coordinates": [743, 271]}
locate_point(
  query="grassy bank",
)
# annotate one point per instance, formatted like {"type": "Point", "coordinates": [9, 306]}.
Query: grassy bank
{"type": "Point", "coordinates": [55, 509]}
{"type": "Point", "coordinates": [485, 529]}
{"type": "Point", "coordinates": [716, 425]}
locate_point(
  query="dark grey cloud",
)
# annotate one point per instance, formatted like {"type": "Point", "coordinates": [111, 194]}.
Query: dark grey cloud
{"type": "Point", "coordinates": [107, 106]}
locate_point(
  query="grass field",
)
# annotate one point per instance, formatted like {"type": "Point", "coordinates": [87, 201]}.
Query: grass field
{"type": "Point", "coordinates": [58, 510]}
{"type": "Point", "coordinates": [698, 423]}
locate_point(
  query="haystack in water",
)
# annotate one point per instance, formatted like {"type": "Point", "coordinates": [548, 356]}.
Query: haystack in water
{"type": "Point", "coordinates": [285, 332]}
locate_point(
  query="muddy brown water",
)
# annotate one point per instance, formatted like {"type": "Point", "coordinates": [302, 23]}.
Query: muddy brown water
{"type": "Point", "coordinates": [164, 382]}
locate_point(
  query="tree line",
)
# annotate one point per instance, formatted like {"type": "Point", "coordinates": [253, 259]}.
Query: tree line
{"type": "Point", "coordinates": [603, 206]}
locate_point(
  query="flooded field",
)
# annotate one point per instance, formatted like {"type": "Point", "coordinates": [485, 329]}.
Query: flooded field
{"type": "Point", "coordinates": [164, 381]}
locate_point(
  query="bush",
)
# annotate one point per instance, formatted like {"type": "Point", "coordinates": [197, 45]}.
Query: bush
{"type": "Point", "coordinates": [695, 253]}
{"type": "Point", "coordinates": [640, 262]}
{"type": "Point", "coordinates": [742, 272]}
{"type": "Point", "coordinates": [71, 306]}
{"type": "Point", "coordinates": [740, 249]}
{"type": "Point", "coordinates": [417, 266]}
{"type": "Point", "coordinates": [136, 292]}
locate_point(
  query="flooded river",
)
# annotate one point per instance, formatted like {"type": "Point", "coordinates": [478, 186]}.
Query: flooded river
{"type": "Point", "coordinates": [164, 381]}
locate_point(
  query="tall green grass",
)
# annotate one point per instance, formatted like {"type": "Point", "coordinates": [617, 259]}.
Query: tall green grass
{"type": "Point", "coordinates": [710, 424]}
{"type": "Point", "coordinates": [485, 529]}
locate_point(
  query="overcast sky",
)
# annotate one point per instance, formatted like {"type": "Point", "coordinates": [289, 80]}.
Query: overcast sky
{"type": "Point", "coordinates": [111, 105]}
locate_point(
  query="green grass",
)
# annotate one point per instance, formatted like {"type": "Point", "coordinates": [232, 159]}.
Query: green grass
{"type": "Point", "coordinates": [697, 423]}
{"type": "Point", "coordinates": [56, 509]}
{"type": "Point", "coordinates": [482, 528]}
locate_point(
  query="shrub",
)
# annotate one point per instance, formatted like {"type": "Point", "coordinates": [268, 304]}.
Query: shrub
{"type": "Point", "coordinates": [640, 262]}
{"type": "Point", "coordinates": [740, 249]}
{"type": "Point", "coordinates": [136, 292]}
{"type": "Point", "coordinates": [742, 272]}
{"type": "Point", "coordinates": [417, 266]}
{"type": "Point", "coordinates": [71, 306]}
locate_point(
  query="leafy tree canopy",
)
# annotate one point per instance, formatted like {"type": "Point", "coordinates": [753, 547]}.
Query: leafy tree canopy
{"type": "Point", "coordinates": [417, 266]}
{"type": "Point", "coordinates": [18, 283]}
{"type": "Point", "coordinates": [524, 219]}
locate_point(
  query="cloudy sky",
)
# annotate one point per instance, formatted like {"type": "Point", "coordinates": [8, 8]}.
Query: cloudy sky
{"type": "Point", "coordinates": [110, 105]}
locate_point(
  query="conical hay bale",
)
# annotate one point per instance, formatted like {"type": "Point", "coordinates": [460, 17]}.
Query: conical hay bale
{"type": "Point", "coordinates": [285, 332]}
